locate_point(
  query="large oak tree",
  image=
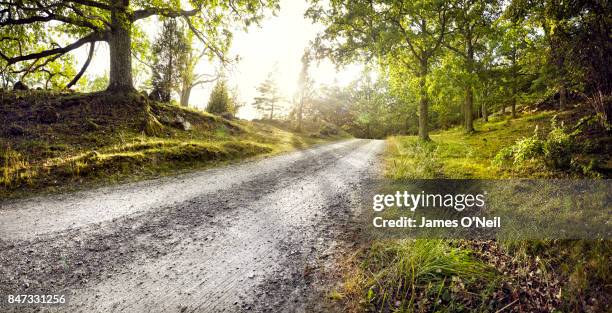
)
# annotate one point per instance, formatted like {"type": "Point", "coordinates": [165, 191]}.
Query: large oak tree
{"type": "Point", "coordinates": [111, 21]}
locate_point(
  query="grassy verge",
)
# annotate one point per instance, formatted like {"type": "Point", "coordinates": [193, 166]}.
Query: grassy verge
{"type": "Point", "coordinates": [432, 275]}
{"type": "Point", "coordinates": [51, 142]}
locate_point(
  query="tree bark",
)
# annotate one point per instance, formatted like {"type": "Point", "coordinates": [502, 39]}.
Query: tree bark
{"type": "Point", "coordinates": [514, 81]}
{"type": "Point", "coordinates": [562, 96]}
{"type": "Point", "coordinates": [185, 94]}
{"type": "Point", "coordinates": [120, 44]}
{"type": "Point", "coordinates": [469, 92]}
{"type": "Point", "coordinates": [485, 114]}
{"type": "Point", "coordinates": [423, 102]}
{"type": "Point", "coordinates": [469, 102]}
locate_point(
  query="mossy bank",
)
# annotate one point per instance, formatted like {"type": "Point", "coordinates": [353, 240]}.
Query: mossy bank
{"type": "Point", "coordinates": [60, 141]}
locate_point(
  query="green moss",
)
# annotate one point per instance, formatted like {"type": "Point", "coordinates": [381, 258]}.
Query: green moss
{"type": "Point", "coordinates": [455, 154]}
{"type": "Point", "coordinates": [101, 138]}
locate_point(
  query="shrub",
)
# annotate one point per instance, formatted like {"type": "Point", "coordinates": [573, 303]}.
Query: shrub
{"type": "Point", "coordinates": [522, 150]}
{"type": "Point", "coordinates": [555, 151]}
{"type": "Point", "coordinates": [558, 146]}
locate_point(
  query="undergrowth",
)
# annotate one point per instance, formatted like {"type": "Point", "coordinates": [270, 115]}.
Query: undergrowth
{"type": "Point", "coordinates": [431, 275]}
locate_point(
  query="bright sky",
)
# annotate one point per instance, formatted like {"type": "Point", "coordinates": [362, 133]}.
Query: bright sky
{"type": "Point", "coordinates": [278, 44]}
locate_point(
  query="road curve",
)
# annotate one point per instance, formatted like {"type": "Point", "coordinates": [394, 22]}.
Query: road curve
{"type": "Point", "coordinates": [247, 237]}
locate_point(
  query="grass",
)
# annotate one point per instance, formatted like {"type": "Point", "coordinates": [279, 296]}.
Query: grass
{"type": "Point", "coordinates": [51, 142]}
{"type": "Point", "coordinates": [455, 154]}
{"type": "Point", "coordinates": [423, 275]}
{"type": "Point", "coordinates": [434, 275]}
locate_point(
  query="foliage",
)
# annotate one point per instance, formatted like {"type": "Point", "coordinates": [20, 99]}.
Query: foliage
{"type": "Point", "coordinates": [37, 34]}
{"type": "Point", "coordinates": [169, 56]}
{"type": "Point", "coordinates": [220, 101]}
{"type": "Point", "coordinates": [405, 34]}
{"type": "Point", "coordinates": [555, 150]}
{"type": "Point", "coordinates": [267, 102]}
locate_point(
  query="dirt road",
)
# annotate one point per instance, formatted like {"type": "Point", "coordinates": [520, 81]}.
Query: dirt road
{"type": "Point", "coordinates": [253, 237]}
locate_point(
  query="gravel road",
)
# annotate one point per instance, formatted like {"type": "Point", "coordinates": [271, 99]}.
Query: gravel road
{"type": "Point", "coordinates": [260, 236]}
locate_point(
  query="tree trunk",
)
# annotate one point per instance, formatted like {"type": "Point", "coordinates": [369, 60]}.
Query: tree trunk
{"type": "Point", "coordinates": [485, 114]}
{"type": "Point", "coordinates": [423, 102]}
{"type": "Point", "coordinates": [469, 92]}
{"type": "Point", "coordinates": [185, 94]}
{"type": "Point", "coordinates": [562, 96]}
{"type": "Point", "coordinates": [120, 44]}
{"type": "Point", "coordinates": [469, 117]}
{"type": "Point", "coordinates": [514, 81]}
{"type": "Point", "coordinates": [560, 61]}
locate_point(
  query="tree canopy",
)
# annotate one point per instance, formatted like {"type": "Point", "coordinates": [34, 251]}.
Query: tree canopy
{"type": "Point", "coordinates": [38, 34]}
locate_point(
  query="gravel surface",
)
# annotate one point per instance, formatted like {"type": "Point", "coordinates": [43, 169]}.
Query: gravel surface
{"type": "Point", "coordinates": [254, 237]}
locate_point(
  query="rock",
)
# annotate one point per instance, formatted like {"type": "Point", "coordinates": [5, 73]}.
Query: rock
{"type": "Point", "coordinates": [228, 116]}
{"type": "Point", "coordinates": [20, 86]}
{"type": "Point", "coordinates": [178, 122]}
{"type": "Point", "coordinates": [181, 123]}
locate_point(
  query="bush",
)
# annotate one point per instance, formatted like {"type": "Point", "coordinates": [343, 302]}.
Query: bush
{"type": "Point", "coordinates": [558, 147]}
{"type": "Point", "coordinates": [555, 151]}
{"type": "Point", "coordinates": [522, 150]}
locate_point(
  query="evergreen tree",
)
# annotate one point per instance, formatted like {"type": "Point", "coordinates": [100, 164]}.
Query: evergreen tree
{"type": "Point", "coordinates": [267, 101]}
{"type": "Point", "coordinates": [220, 101]}
{"type": "Point", "coordinates": [169, 53]}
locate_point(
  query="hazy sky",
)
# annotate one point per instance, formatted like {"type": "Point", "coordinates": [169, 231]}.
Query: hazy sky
{"type": "Point", "coordinates": [279, 43]}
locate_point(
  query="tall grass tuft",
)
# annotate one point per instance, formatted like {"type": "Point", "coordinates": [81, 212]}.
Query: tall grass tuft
{"type": "Point", "coordinates": [413, 275]}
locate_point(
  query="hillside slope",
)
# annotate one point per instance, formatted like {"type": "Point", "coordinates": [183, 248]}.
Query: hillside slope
{"type": "Point", "coordinates": [54, 141]}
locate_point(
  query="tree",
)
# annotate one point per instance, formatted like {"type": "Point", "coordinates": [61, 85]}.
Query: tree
{"type": "Point", "coordinates": [189, 79]}
{"type": "Point", "coordinates": [112, 21]}
{"type": "Point", "coordinates": [385, 29]}
{"type": "Point", "coordinates": [472, 22]}
{"type": "Point", "coordinates": [220, 101]}
{"type": "Point", "coordinates": [169, 55]}
{"type": "Point", "coordinates": [267, 100]}
{"type": "Point", "coordinates": [305, 89]}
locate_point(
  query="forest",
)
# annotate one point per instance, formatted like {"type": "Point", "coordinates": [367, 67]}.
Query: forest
{"type": "Point", "coordinates": [429, 65]}
{"type": "Point", "coordinates": [452, 89]}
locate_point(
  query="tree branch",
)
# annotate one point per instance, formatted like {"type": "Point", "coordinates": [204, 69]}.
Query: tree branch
{"type": "Point", "coordinates": [47, 18]}
{"type": "Point", "coordinates": [91, 3]}
{"type": "Point", "coordinates": [76, 78]}
{"type": "Point", "coordinates": [92, 37]}
{"type": "Point", "coordinates": [167, 12]}
{"type": "Point", "coordinates": [198, 34]}
{"type": "Point", "coordinates": [407, 39]}
{"type": "Point", "coordinates": [442, 29]}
